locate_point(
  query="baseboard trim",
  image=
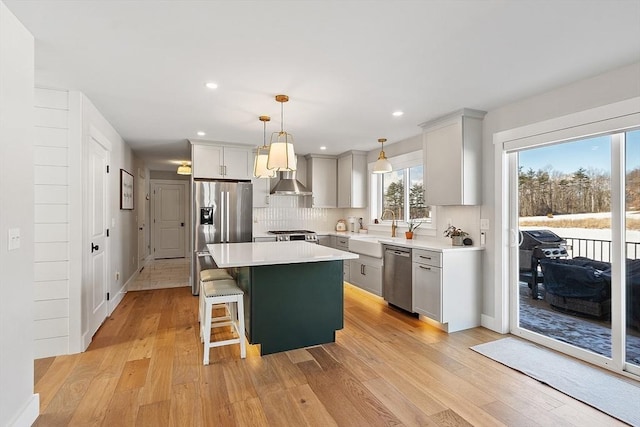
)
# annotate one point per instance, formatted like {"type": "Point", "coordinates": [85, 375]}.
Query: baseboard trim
{"type": "Point", "coordinates": [29, 412]}
{"type": "Point", "coordinates": [492, 323]}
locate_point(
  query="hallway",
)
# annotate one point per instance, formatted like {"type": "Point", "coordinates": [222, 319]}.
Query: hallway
{"type": "Point", "coordinates": [162, 274]}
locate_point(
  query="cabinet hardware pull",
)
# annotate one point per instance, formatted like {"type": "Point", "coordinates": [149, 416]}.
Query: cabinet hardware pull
{"type": "Point", "coordinates": [425, 268]}
{"type": "Point", "coordinates": [425, 257]}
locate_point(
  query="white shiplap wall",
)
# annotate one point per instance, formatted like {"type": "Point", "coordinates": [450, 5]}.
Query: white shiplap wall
{"type": "Point", "coordinates": [51, 229]}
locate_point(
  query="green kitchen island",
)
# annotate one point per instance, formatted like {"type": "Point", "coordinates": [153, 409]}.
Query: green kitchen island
{"type": "Point", "coordinates": [293, 291]}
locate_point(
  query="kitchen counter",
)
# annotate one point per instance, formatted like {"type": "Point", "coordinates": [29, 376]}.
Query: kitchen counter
{"type": "Point", "coordinates": [293, 291]}
{"type": "Point", "coordinates": [439, 245]}
{"type": "Point", "coordinates": [248, 254]}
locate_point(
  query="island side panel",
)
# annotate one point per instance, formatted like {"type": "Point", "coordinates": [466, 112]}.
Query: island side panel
{"type": "Point", "coordinates": [293, 305]}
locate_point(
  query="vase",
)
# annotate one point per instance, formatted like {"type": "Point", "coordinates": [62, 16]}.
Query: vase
{"type": "Point", "coordinates": [408, 235]}
{"type": "Point", "coordinates": [457, 240]}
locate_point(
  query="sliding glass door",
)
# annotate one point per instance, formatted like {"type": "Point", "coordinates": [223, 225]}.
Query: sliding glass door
{"type": "Point", "coordinates": [632, 250]}
{"type": "Point", "coordinates": [575, 216]}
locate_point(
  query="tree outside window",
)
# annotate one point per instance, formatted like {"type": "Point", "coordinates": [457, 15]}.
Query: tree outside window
{"type": "Point", "coordinates": [396, 195]}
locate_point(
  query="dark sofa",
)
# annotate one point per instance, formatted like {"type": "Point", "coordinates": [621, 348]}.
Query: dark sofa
{"type": "Point", "coordinates": [583, 285]}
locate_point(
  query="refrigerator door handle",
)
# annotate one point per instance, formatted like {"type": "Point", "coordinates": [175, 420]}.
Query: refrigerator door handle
{"type": "Point", "coordinates": [223, 211]}
{"type": "Point", "coordinates": [227, 217]}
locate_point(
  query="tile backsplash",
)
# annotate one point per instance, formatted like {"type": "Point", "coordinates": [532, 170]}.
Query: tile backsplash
{"type": "Point", "coordinates": [292, 213]}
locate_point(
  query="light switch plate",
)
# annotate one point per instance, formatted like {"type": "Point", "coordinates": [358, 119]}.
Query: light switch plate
{"type": "Point", "coordinates": [484, 224]}
{"type": "Point", "coordinates": [13, 241]}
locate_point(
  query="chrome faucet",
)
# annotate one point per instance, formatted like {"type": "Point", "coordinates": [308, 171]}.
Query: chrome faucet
{"type": "Point", "coordinates": [393, 221]}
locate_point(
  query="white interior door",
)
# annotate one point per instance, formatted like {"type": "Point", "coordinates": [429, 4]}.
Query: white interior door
{"type": "Point", "coordinates": [169, 220]}
{"type": "Point", "coordinates": [143, 194]}
{"type": "Point", "coordinates": [97, 267]}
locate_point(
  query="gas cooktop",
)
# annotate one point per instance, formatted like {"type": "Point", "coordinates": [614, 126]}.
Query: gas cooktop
{"type": "Point", "coordinates": [291, 232]}
{"type": "Point", "coordinates": [290, 235]}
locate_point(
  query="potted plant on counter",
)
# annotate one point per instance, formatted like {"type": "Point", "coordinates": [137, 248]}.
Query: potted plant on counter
{"type": "Point", "coordinates": [456, 234]}
{"type": "Point", "coordinates": [412, 225]}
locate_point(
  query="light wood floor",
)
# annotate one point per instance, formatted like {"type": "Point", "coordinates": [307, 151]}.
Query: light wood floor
{"type": "Point", "coordinates": [144, 367]}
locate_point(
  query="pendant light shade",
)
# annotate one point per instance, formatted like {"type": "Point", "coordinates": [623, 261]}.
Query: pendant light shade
{"type": "Point", "coordinates": [382, 165]}
{"type": "Point", "coordinates": [281, 154]}
{"type": "Point", "coordinates": [184, 169]}
{"type": "Point", "coordinates": [260, 169]}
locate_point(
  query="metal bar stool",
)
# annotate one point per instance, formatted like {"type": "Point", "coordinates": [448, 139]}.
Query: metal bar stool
{"type": "Point", "coordinates": [222, 292]}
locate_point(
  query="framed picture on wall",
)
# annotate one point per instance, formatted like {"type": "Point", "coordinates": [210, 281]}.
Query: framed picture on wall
{"type": "Point", "coordinates": [126, 190]}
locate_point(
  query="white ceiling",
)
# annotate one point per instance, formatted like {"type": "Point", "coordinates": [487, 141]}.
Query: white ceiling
{"type": "Point", "coordinates": [346, 65]}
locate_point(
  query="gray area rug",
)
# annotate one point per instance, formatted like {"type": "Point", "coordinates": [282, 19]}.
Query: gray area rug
{"type": "Point", "coordinates": [590, 385]}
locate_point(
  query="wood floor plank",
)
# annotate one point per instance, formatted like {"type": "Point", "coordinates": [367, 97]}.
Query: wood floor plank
{"type": "Point", "coordinates": [449, 418]}
{"type": "Point", "coordinates": [288, 372]}
{"type": "Point", "coordinates": [216, 405]}
{"type": "Point", "coordinates": [93, 407]}
{"type": "Point", "coordinates": [154, 414]}
{"type": "Point", "coordinates": [145, 337]}
{"type": "Point", "coordinates": [122, 409]}
{"type": "Point", "coordinates": [408, 413]}
{"type": "Point", "coordinates": [238, 380]}
{"type": "Point", "coordinates": [40, 367]}
{"type": "Point", "coordinates": [134, 374]}
{"type": "Point", "coordinates": [313, 411]}
{"type": "Point", "coordinates": [158, 385]}
{"type": "Point", "coordinates": [249, 412]}
{"type": "Point", "coordinates": [187, 359]}
{"type": "Point", "coordinates": [281, 409]}
{"type": "Point", "coordinates": [144, 367]}
{"type": "Point", "coordinates": [186, 408]}
{"type": "Point", "coordinates": [55, 377]}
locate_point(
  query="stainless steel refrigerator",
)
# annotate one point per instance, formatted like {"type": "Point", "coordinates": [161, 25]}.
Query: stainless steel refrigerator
{"type": "Point", "coordinates": [222, 213]}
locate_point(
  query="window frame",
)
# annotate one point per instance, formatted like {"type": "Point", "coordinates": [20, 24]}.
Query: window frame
{"type": "Point", "coordinates": [402, 162]}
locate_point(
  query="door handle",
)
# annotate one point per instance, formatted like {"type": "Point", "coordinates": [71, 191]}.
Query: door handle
{"type": "Point", "coordinates": [181, 225]}
{"type": "Point", "coordinates": [140, 228]}
{"type": "Point", "coordinates": [94, 247]}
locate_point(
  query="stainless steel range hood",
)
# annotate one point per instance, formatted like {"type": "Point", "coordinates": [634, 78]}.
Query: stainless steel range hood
{"type": "Point", "coordinates": [289, 185]}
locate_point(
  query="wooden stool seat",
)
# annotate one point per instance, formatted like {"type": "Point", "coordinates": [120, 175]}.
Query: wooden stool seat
{"type": "Point", "coordinates": [226, 292]}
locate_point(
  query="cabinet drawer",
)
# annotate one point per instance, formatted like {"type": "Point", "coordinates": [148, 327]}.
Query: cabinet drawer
{"type": "Point", "coordinates": [424, 256]}
{"type": "Point", "coordinates": [342, 243]}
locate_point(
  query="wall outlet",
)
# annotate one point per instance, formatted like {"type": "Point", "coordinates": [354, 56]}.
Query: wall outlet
{"type": "Point", "coordinates": [13, 241]}
{"type": "Point", "coordinates": [117, 276]}
{"type": "Point", "coordinates": [484, 224]}
{"type": "Point", "coordinates": [483, 238]}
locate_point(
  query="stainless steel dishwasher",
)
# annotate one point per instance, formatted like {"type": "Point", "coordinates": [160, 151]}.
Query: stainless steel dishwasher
{"type": "Point", "coordinates": [396, 280]}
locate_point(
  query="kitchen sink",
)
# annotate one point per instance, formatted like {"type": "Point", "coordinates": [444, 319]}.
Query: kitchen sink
{"type": "Point", "coordinates": [369, 246]}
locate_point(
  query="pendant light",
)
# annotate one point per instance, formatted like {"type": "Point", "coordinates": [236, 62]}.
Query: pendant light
{"type": "Point", "coordinates": [262, 153]}
{"type": "Point", "coordinates": [184, 169]}
{"type": "Point", "coordinates": [281, 154]}
{"type": "Point", "coordinates": [382, 165]}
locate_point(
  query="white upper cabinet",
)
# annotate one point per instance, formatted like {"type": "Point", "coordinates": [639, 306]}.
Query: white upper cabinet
{"type": "Point", "coordinates": [221, 161]}
{"type": "Point", "coordinates": [352, 180]}
{"type": "Point", "coordinates": [321, 180]}
{"type": "Point", "coordinates": [453, 158]}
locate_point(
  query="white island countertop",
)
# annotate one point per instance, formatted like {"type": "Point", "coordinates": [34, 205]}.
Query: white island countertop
{"type": "Point", "coordinates": [249, 254]}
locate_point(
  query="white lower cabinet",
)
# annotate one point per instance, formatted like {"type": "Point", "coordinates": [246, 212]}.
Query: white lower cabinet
{"type": "Point", "coordinates": [427, 284]}
{"type": "Point", "coordinates": [324, 240]}
{"type": "Point", "coordinates": [342, 243]}
{"type": "Point", "coordinates": [366, 273]}
{"type": "Point", "coordinates": [346, 271]}
{"type": "Point", "coordinates": [446, 287]}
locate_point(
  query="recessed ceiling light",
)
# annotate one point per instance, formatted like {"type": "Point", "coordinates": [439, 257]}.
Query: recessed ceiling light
{"type": "Point", "coordinates": [398, 113]}
{"type": "Point", "coordinates": [323, 148]}
{"type": "Point", "coordinates": [200, 133]}
{"type": "Point", "coordinates": [212, 85]}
